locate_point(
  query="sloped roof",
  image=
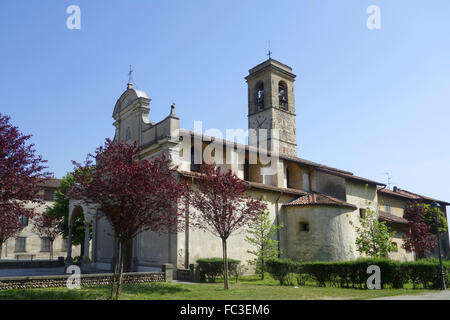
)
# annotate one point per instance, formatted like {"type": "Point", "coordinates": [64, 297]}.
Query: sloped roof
{"type": "Point", "coordinates": [50, 183]}
{"type": "Point", "coordinates": [409, 195]}
{"type": "Point", "coordinates": [282, 156]}
{"type": "Point", "coordinates": [350, 176]}
{"type": "Point", "coordinates": [251, 183]}
{"type": "Point", "coordinates": [382, 215]}
{"type": "Point", "coordinates": [314, 199]}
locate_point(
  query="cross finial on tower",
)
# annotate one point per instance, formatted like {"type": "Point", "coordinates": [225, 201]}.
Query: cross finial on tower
{"type": "Point", "coordinates": [130, 75]}
{"type": "Point", "coordinates": [270, 52]}
{"type": "Point", "coordinates": [172, 108]}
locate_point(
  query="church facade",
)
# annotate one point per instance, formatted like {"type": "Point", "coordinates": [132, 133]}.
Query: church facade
{"type": "Point", "coordinates": [315, 203]}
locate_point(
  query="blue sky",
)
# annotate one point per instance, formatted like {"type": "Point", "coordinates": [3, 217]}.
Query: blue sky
{"type": "Point", "coordinates": [367, 101]}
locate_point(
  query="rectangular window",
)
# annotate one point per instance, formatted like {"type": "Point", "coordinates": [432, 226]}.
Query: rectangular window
{"type": "Point", "coordinates": [246, 171]}
{"type": "Point", "coordinates": [267, 179]}
{"type": "Point", "coordinates": [64, 244]}
{"type": "Point", "coordinates": [23, 220]}
{"type": "Point", "coordinates": [362, 213]}
{"type": "Point", "coordinates": [49, 195]}
{"type": "Point", "coordinates": [395, 247]}
{"type": "Point", "coordinates": [45, 244]}
{"type": "Point", "coordinates": [387, 207]}
{"type": "Point", "coordinates": [20, 244]}
{"type": "Point", "coordinates": [304, 226]}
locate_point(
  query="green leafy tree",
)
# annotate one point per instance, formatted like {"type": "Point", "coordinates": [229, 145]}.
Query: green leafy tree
{"type": "Point", "coordinates": [260, 233]}
{"type": "Point", "coordinates": [430, 218]}
{"type": "Point", "coordinates": [60, 209]}
{"type": "Point", "coordinates": [422, 227]}
{"type": "Point", "coordinates": [374, 237]}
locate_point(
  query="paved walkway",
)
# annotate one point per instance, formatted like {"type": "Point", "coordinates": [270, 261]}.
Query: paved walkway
{"type": "Point", "coordinates": [443, 295]}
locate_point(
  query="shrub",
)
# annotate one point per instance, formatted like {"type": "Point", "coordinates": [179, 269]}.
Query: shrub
{"type": "Point", "coordinates": [302, 278]}
{"type": "Point", "coordinates": [281, 268]}
{"type": "Point", "coordinates": [426, 272]}
{"type": "Point", "coordinates": [211, 268]}
{"type": "Point", "coordinates": [354, 273]}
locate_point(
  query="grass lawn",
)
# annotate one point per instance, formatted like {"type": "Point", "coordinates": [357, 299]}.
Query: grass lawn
{"type": "Point", "coordinates": [249, 287]}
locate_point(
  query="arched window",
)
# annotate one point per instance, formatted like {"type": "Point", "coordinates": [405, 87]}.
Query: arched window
{"type": "Point", "coordinates": [246, 170]}
{"type": "Point", "coordinates": [289, 178]}
{"type": "Point", "coordinates": [283, 95]}
{"type": "Point", "coordinates": [259, 96]}
{"type": "Point", "coordinates": [195, 167]}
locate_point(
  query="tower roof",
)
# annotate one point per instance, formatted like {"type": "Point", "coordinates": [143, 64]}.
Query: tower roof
{"type": "Point", "coordinates": [273, 65]}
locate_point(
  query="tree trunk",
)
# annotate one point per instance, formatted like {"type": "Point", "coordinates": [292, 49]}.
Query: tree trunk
{"type": "Point", "coordinates": [51, 250]}
{"type": "Point", "coordinates": [116, 263]}
{"type": "Point", "coordinates": [262, 261]}
{"type": "Point", "coordinates": [119, 284]}
{"type": "Point", "coordinates": [225, 264]}
{"type": "Point", "coordinates": [262, 269]}
{"type": "Point", "coordinates": [1, 247]}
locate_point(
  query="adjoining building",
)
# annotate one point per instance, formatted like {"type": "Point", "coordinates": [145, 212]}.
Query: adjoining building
{"type": "Point", "coordinates": [30, 246]}
{"type": "Point", "coordinates": [314, 202]}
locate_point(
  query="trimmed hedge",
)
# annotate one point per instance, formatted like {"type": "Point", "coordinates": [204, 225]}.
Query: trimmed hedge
{"type": "Point", "coordinates": [211, 268]}
{"type": "Point", "coordinates": [353, 274]}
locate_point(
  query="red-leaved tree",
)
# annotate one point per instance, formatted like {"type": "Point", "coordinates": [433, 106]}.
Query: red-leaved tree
{"type": "Point", "coordinates": [419, 238]}
{"type": "Point", "coordinates": [48, 226]}
{"type": "Point", "coordinates": [223, 206]}
{"type": "Point", "coordinates": [21, 172]}
{"type": "Point", "coordinates": [135, 195]}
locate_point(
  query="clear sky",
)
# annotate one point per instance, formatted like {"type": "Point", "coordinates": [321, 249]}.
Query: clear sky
{"type": "Point", "coordinates": [367, 101]}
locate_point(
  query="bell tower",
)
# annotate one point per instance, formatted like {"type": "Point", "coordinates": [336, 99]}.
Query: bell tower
{"type": "Point", "coordinates": [271, 104]}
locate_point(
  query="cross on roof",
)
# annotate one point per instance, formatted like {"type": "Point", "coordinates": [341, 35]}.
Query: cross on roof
{"type": "Point", "coordinates": [270, 52]}
{"type": "Point", "coordinates": [130, 75]}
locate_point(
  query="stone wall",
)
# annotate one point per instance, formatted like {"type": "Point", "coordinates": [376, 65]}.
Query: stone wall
{"type": "Point", "coordinates": [86, 280]}
{"type": "Point", "coordinates": [185, 274]}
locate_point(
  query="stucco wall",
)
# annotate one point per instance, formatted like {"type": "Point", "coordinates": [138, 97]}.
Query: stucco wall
{"type": "Point", "coordinates": [104, 239]}
{"type": "Point", "coordinates": [397, 204]}
{"type": "Point", "coordinates": [329, 184]}
{"type": "Point", "coordinates": [203, 244]}
{"type": "Point", "coordinates": [328, 238]}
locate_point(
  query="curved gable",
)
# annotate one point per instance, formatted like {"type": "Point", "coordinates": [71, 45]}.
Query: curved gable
{"type": "Point", "coordinates": [128, 98]}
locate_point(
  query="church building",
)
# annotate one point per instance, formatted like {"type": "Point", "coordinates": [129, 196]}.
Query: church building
{"type": "Point", "coordinates": [315, 203]}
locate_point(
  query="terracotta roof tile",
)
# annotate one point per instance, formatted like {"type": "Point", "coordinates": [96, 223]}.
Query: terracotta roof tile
{"type": "Point", "coordinates": [319, 199]}
{"type": "Point", "coordinates": [409, 195]}
{"type": "Point", "coordinates": [351, 176]}
{"type": "Point", "coordinates": [50, 183]}
{"type": "Point", "coordinates": [382, 215]}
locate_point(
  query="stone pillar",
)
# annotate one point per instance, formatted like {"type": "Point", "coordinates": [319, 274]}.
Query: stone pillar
{"type": "Point", "coordinates": [192, 272]}
{"type": "Point", "coordinates": [69, 260]}
{"type": "Point", "coordinates": [168, 272]}
{"type": "Point", "coordinates": [94, 238]}
{"type": "Point", "coordinates": [85, 262]}
{"type": "Point", "coordinates": [86, 241]}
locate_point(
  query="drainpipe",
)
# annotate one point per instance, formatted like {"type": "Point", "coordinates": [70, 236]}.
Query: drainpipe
{"type": "Point", "coordinates": [278, 223]}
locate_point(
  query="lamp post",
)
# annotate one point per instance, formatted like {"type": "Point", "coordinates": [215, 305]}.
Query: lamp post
{"type": "Point", "coordinates": [433, 206]}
